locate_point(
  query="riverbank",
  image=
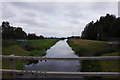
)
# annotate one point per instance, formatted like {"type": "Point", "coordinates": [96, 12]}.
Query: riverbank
{"type": "Point", "coordinates": [40, 46]}
{"type": "Point", "coordinates": [60, 49]}
{"type": "Point", "coordinates": [16, 49]}
{"type": "Point", "coordinates": [95, 48]}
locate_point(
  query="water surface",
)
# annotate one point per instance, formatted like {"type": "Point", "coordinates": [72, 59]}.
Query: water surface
{"type": "Point", "coordinates": [60, 49]}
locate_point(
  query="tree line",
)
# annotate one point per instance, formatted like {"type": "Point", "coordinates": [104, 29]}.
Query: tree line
{"type": "Point", "coordinates": [106, 27]}
{"type": "Point", "coordinates": [10, 32]}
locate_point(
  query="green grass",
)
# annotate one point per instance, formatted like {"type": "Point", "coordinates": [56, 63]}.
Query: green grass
{"type": "Point", "coordinates": [38, 49]}
{"type": "Point", "coordinates": [40, 46]}
{"type": "Point", "coordinates": [110, 65]}
{"type": "Point", "coordinates": [96, 48]}
{"type": "Point", "coordinates": [16, 50]}
{"type": "Point", "coordinates": [89, 47]}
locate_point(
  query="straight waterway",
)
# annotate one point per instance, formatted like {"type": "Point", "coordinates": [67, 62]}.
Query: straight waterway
{"type": "Point", "coordinates": [60, 49]}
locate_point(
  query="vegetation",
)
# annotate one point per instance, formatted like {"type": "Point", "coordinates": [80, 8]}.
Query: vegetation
{"type": "Point", "coordinates": [110, 65]}
{"type": "Point", "coordinates": [90, 47]}
{"type": "Point", "coordinates": [40, 46]}
{"type": "Point", "coordinates": [10, 32]}
{"type": "Point", "coordinates": [95, 48]}
{"type": "Point", "coordinates": [104, 28]}
{"type": "Point", "coordinates": [16, 50]}
{"type": "Point", "coordinates": [31, 45]}
{"type": "Point", "coordinates": [33, 36]}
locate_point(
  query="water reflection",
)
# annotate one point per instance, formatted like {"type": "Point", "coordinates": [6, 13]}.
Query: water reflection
{"type": "Point", "coordinates": [60, 49]}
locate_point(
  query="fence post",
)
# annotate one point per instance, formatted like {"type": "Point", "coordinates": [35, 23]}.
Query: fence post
{"type": "Point", "coordinates": [13, 66]}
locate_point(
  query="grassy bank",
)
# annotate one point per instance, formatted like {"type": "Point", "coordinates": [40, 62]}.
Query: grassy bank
{"type": "Point", "coordinates": [16, 50]}
{"type": "Point", "coordinates": [39, 48]}
{"type": "Point", "coordinates": [95, 48]}
{"type": "Point", "coordinates": [110, 65]}
{"type": "Point", "coordinates": [90, 47]}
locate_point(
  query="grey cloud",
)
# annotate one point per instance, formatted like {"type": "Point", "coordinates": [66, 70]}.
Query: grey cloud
{"type": "Point", "coordinates": [46, 8]}
{"type": "Point", "coordinates": [30, 14]}
{"type": "Point", "coordinates": [6, 12]}
{"type": "Point", "coordinates": [55, 19]}
{"type": "Point", "coordinates": [29, 21]}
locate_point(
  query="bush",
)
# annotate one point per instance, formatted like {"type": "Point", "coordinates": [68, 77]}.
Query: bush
{"type": "Point", "coordinates": [90, 66]}
{"type": "Point", "coordinates": [80, 50]}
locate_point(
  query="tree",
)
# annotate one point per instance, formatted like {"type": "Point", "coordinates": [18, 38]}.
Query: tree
{"type": "Point", "coordinates": [32, 36]}
{"type": "Point", "coordinates": [9, 32]}
{"type": "Point", "coordinates": [20, 33]}
{"type": "Point", "coordinates": [41, 37]}
{"type": "Point", "coordinates": [107, 26]}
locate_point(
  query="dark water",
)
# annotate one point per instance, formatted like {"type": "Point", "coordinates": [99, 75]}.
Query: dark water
{"type": "Point", "coordinates": [60, 49]}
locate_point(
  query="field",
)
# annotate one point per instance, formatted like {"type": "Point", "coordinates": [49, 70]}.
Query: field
{"type": "Point", "coordinates": [90, 48]}
{"type": "Point", "coordinates": [39, 48]}
{"type": "Point", "coordinates": [95, 48]}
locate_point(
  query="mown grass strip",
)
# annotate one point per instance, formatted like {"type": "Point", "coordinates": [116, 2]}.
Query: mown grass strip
{"type": "Point", "coordinates": [12, 48]}
{"type": "Point", "coordinates": [96, 48]}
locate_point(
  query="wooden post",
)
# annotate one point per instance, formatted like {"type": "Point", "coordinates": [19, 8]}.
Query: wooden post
{"type": "Point", "coordinates": [13, 67]}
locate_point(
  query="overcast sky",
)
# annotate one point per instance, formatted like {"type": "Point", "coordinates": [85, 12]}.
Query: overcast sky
{"type": "Point", "coordinates": [55, 19]}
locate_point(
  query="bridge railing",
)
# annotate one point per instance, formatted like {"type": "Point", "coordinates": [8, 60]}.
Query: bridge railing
{"type": "Point", "coordinates": [14, 58]}
{"type": "Point", "coordinates": [49, 73]}
{"type": "Point", "coordinates": [59, 58]}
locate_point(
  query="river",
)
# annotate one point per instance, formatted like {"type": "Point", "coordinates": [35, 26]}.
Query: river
{"type": "Point", "coordinates": [60, 49]}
